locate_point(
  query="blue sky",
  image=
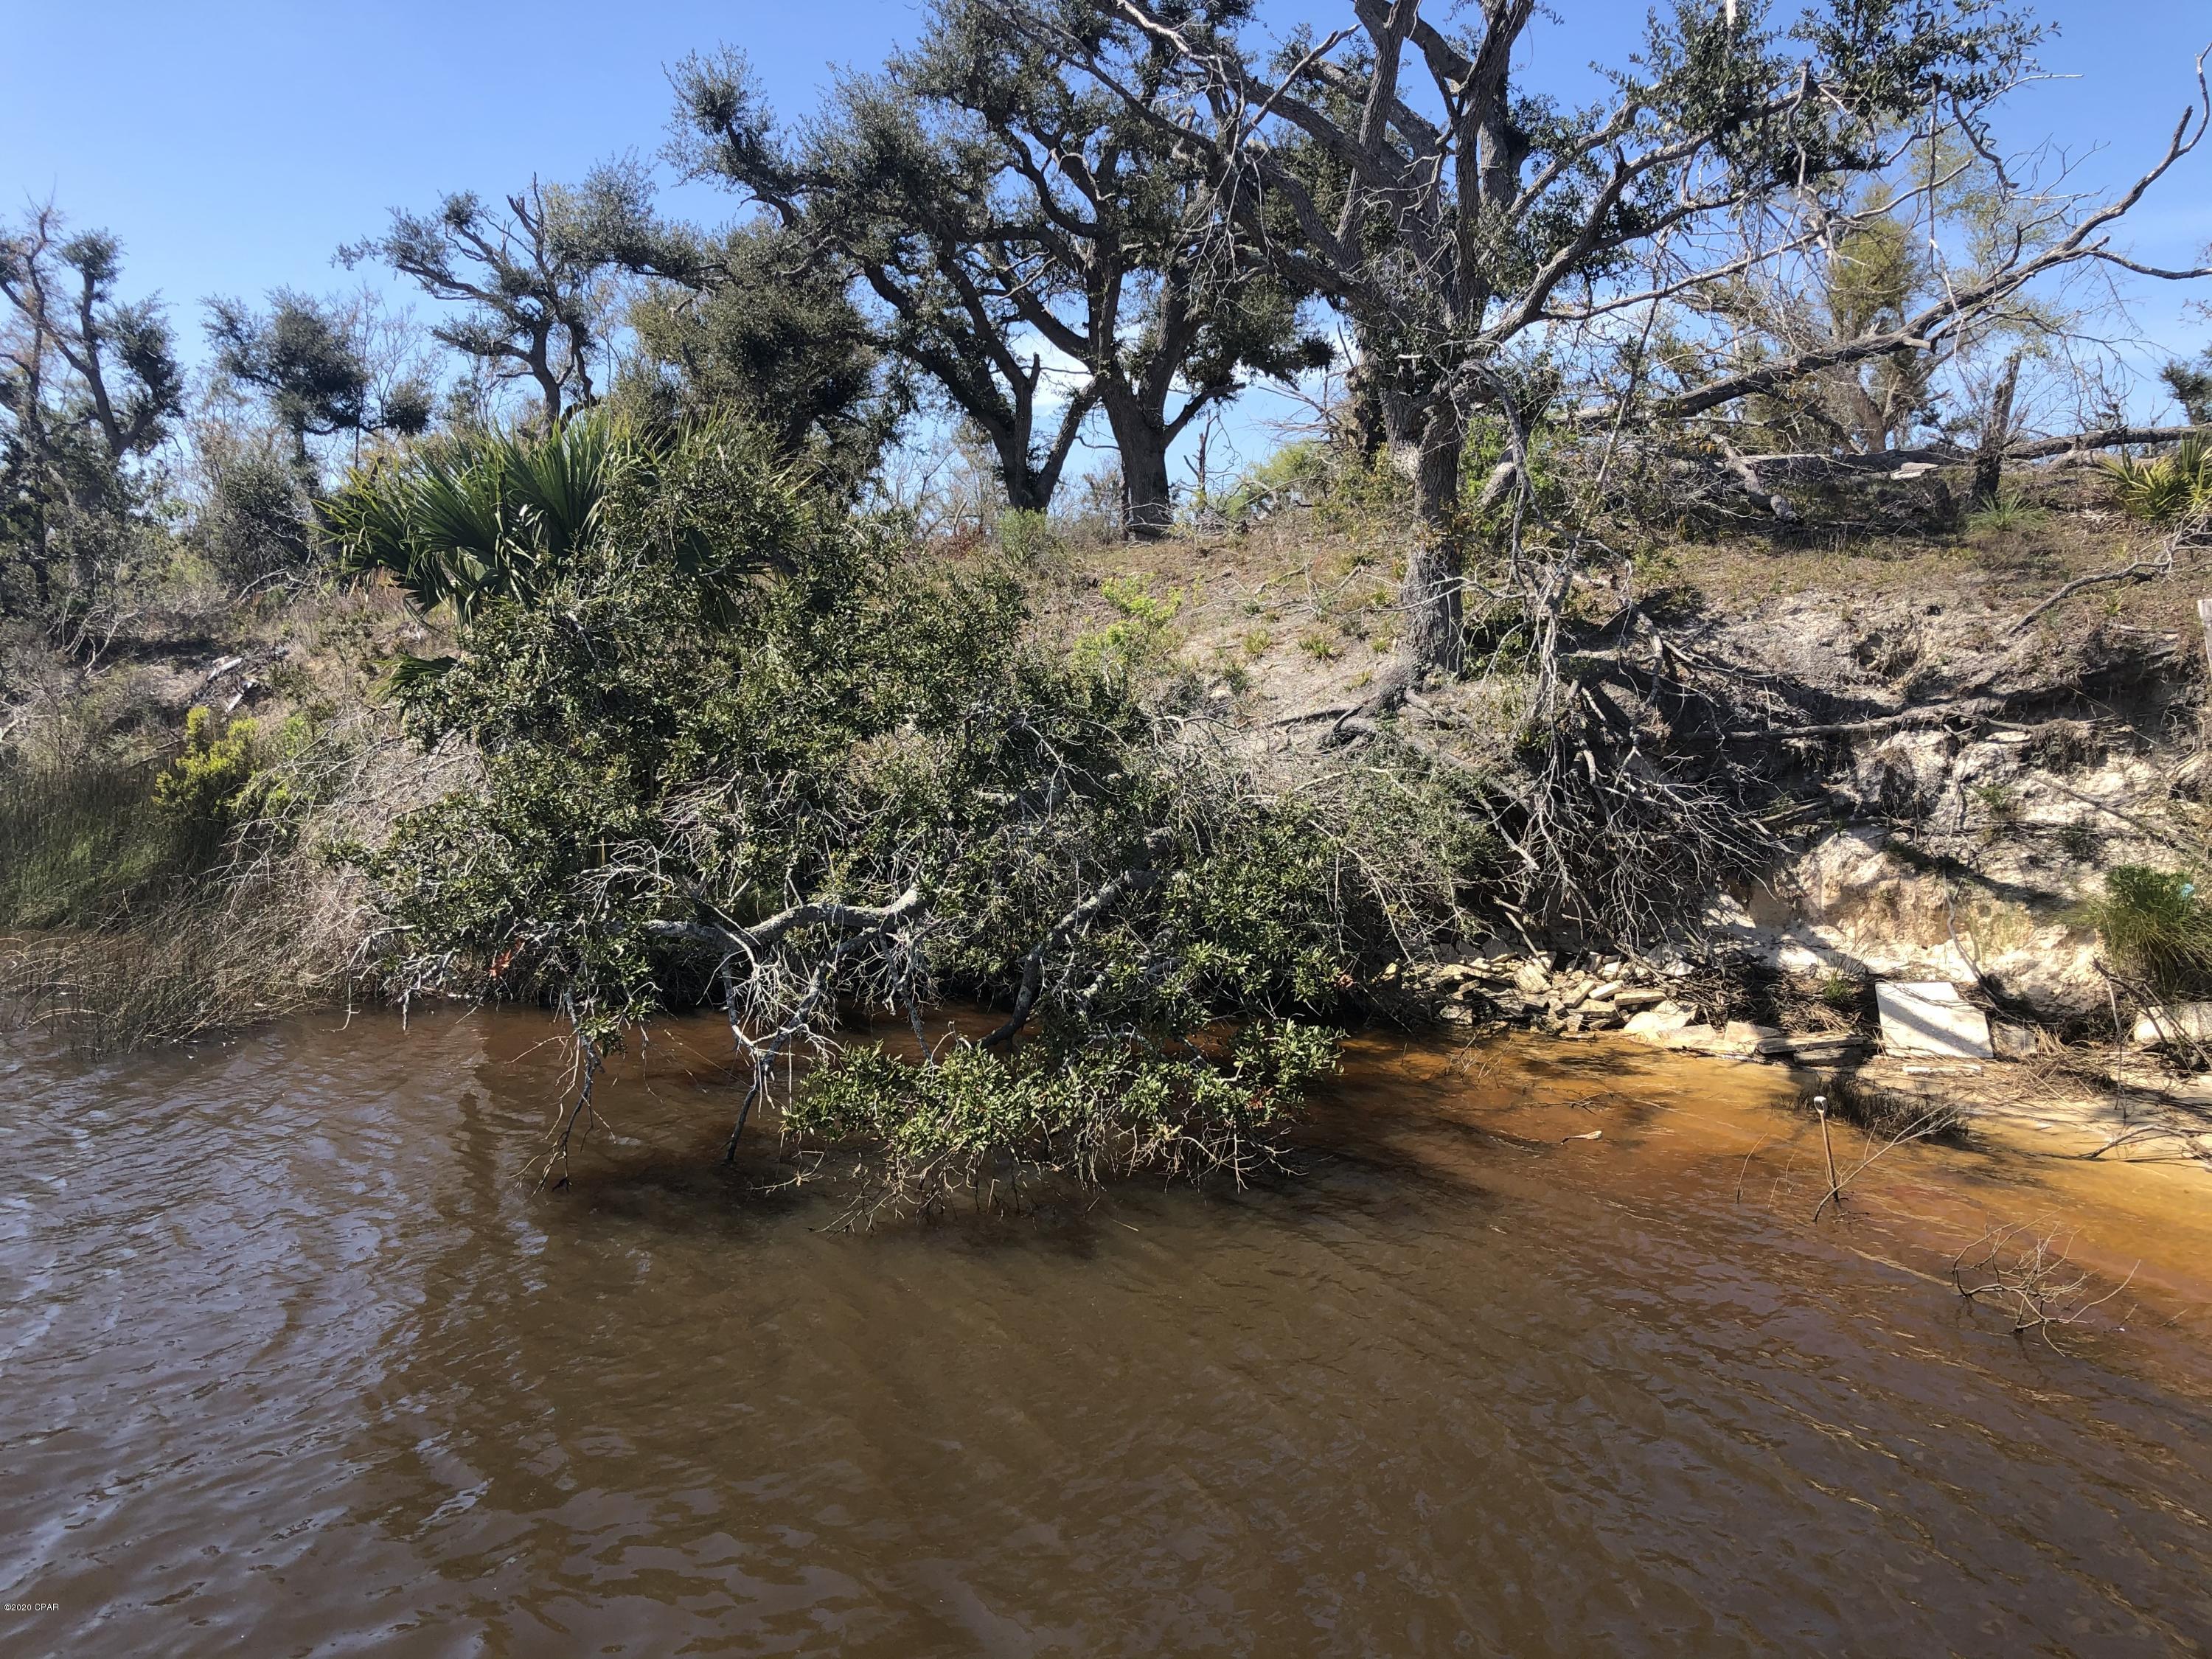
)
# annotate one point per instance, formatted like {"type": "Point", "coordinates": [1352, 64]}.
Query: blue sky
{"type": "Point", "coordinates": [234, 146]}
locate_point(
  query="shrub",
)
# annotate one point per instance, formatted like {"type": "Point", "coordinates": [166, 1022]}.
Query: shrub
{"type": "Point", "coordinates": [2174, 486]}
{"type": "Point", "coordinates": [1138, 642]}
{"type": "Point", "coordinates": [1296, 475]}
{"type": "Point", "coordinates": [2008, 513]}
{"type": "Point", "coordinates": [858, 779]}
{"type": "Point", "coordinates": [257, 521]}
{"type": "Point", "coordinates": [1086, 1112]}
{"type": "Point", "coordinates": [202, 785]}
{"type": "Point", "coordinates": [1026, 537]}
{"type": "Point", "coordinates": [2154, 925]}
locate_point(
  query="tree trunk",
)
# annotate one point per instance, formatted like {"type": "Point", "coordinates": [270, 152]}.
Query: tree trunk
{"type": "Point", "coordinates": [1142, 435]}
{"type": "Point", "coordinates": [1029, 488]}
{"type": "Point", "coordinates": [1426, 440]}
{"type": "Point", "coordinates": [1025, 495]}
{"type": "Point", "coordinates": [1989, 463]}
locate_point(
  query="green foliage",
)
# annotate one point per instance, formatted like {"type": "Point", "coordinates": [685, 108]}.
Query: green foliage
{"type": "Point", "coordinates": [764, 334]}
{"type": "Point", "coordinates": [257, 521]}
{"type": "Point", "coordinates": [1488, 444]}
{"type": "Point", "coordinates": [1367, 496]}
{"type": "Point", "coordinates": [2190, 382]}
{"type": "Point", "coordinates": [81, 840]}
{"type": "Point", "coordinates": [2000, 805]}
{"type": "Point", "coordinates": [470, 520]}
{"type": "Point", "coordinates": [1296, 475]}
{"type": "Point", "coordinates": [2154, 925]}
{"type": "Point", "coordinates": [665, 754]}
{"type": "Point", "coordinates": [226, 773]}
{"type": "Point", "coordinates": [309, 360]}
{"type": "Point", "coordinates": [1138, 642]}
{"type": "Point", "coordinates": [642, 725]}
{"type": "Point", "coordinates": [1090, 1112]}
{"type": "Point", "coordinates": [2008, 513]}
{"type": "Point", "coordinates": [2079, 839]}
{"type": "Point", "coordinates": [2174, 486]}
{"type": "Point", "coordinates": [528, 274]}
{"type": "Point", "coordinates": [1843, 992]}
{"type": "Point", "coordinates": [92, 835]}
{"type": "Point", "coordinates": [923, 178]}
{"type": "Point", "coordinates": [1027, 537]}
{"type": "Point", "coordinates": [202, 785]}
{"type": "Point", "coordinates": [89, 386]}
{"type": "Point", "coordinates": [480, 516]}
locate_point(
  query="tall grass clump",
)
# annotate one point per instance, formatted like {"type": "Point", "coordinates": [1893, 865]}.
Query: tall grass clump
{"type": "Point", "coordinates": [159, 904]}
{"type": "Point", "coordinates": [2005, 513]}
{"type": "Point", "coordinates": [2156, 927]}
{"type": "Point", "coordinates": [83, 839]}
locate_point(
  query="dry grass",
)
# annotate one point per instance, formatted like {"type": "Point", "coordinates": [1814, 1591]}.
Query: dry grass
{"type": "Point", "coordinates": [124, 941]}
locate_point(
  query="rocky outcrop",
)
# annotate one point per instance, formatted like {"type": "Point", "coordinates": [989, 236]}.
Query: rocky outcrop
{"type": "Point", "coordinates": [1979, 779]}
{"type": "Point", "coordinates": [1494, 985]}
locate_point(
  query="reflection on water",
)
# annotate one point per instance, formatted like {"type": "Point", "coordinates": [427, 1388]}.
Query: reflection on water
{"type": "Point", "coordinates": [295, 1363]}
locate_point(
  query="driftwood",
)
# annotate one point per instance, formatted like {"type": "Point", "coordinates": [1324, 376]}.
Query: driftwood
{"type": "Point", "coordinates": [722, 936]}
{"type": "Point", "coordinates": [1931, 713]}
{"type": "Point", "coordinates": [1811, 468]}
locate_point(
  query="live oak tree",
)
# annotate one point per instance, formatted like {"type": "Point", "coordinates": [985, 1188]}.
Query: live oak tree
{"type": "Point", "coordinates": [310, 361]}
{"type": "Point", "coordinates": [760, 325]}
{"type": "Point", "coordinates": [992, 195]}
{"type": "Point", "coordinates": [1107, 239]}
{"type": "Point", "coordinates": [875, 184]}
{"type": "Point", "coordinates": [89, 384]}
{"type": "Point", "coordinates": [1468, 229]}
{"type": "Point", "coordinates": [533, 274]}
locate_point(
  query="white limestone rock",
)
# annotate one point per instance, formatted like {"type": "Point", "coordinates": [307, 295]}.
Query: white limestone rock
{"type": "Point", "coordinates": [1930, 1017]}
{"type": "Point", "coordinates": [2189, 1022]}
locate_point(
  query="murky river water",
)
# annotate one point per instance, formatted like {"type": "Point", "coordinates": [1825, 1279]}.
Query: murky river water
{"type": "Point", "coordinates": [295, 1363]}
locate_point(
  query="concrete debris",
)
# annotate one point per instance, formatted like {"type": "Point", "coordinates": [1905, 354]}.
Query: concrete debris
{"type": "Point", "coordinates": [1659, 1025]}
{"type": "Point", "coordinates": [1930, 1017]}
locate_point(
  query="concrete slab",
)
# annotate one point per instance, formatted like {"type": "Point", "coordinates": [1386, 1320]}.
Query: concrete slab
{"type": "Point", "coordinates": [1657, 1026]}
{"type": "Point", "coordinates": [1930, 1017]}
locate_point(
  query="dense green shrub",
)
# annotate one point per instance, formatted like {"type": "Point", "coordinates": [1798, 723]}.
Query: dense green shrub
{"type": "Point", "coordinates": [2156, 926]}
{"type": "Point", "coordinates": [1090, 1113]}
{"type": "Point", "coordinates": [203, 784]}
{"type": "Point", "coordinates": [257, 521]}
{"type": "Point", "coordinates": [674, 756]}
{"type": "Point", "coordinates": [228, 772]}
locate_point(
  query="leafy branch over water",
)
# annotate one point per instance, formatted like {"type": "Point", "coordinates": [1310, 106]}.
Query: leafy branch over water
{"type": "Point", "coordinates": [738, 748]}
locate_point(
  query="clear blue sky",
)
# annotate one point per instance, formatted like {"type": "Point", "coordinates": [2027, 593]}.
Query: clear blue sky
{"type": "Point", "coordinates": [234, 146]}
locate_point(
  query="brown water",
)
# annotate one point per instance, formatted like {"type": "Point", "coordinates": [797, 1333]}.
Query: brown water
{"type": "Point", "coordinates": [295, 1362]}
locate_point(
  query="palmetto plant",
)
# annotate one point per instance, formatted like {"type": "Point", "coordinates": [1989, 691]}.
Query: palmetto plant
{"type": "Point", "coordinates": [473, 519]}
{"type": "Point", "coordinates": [2173, 487]}
{"type": "Point", "coordinates": [466, 519]}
